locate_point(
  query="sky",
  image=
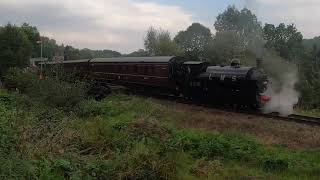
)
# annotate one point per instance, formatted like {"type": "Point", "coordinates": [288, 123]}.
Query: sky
{"type": "Point", "coordinates": [122, 24]}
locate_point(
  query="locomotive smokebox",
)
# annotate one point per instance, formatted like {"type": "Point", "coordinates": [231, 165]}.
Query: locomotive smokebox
{"type": "Point", "coordinates": [259, 62]}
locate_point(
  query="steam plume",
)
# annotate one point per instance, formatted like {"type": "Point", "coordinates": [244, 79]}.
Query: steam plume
{"type": "Point", "coordinates": [283, 94]}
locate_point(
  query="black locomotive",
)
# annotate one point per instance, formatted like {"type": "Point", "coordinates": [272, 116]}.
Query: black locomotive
{"type": "Point", "coordinates": [234, 84]}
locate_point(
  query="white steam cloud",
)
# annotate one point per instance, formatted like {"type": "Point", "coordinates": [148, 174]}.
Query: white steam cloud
{"type": "Point", "coordinates": [283, 95]}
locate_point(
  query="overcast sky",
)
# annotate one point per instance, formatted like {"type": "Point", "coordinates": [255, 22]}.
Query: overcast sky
{"type": "Point", "coordinates": [121, 24]}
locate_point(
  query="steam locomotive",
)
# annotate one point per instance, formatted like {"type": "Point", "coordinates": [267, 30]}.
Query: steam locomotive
{"type": "Point", "coordinates": [177, 76]}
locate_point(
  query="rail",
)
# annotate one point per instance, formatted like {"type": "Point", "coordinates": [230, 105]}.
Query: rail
{"type": "Point", "coordinates": [314, 121]}
{"type": "Point", "coordinates": [308, 120]}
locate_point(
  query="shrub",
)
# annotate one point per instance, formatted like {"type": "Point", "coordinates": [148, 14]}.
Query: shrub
{"type": "Point", "coordinates": [51, 91]}
{"type": "Point", "coordinates": [211, 146]}
{"type": "Point", "coordinates": [11, 166]}
{"type": "Point", "coordinates": [206, 169]}
{"type": "Point", "coordinates": [275, 165]}
{"type": "Point", "coordinates": [19, 79]}
{"type": "Point", "coordinates": [57, 93]}
{"type": "Point", "coordinates": [91, 108]}
{"type": "Point", "coordinates": [145, 162]}
{"type": "Point", "coordinates": [8, 138]}
{"type": "Point", "coordinates": [147, 129]}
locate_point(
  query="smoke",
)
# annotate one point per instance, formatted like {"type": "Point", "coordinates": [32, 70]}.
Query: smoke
{"type": "Point", "coordinates": [283, 93]}
{"type": "Point", "coordinates": [282, 75]}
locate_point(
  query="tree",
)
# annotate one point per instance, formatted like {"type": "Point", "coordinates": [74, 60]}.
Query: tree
{"type": "Point", "coordinates": [71, 53]}
{"type": "Point", "coordinates": [224, 46]}
{"type": "Point", "coordinates": [311, 45]}
{"type": "Point", "coordinates": [106, 53]}
{"type": "Point", "coordinates": [285, 40]}
{"type": "Point", "coordinates": [309, 84]}
{"type": "Point", "coordinates": [194, 40]}
{"type": "Point", "coordinates": [33, 36]}
{"type": "Point", "coordinates": [159, 43]}
{"type": "Point", "coordinates": [15, 48]}
{"type": "Point", "coordinates": [86, 53]}
{"type": "Point", "coordinates": [244, 23]}
{"type": "Point", "coordinates": [139, 53]}
{"type": "Point", "coordinates": [50, 47]}
{"type": "Point", "coordinates": [150, 42]}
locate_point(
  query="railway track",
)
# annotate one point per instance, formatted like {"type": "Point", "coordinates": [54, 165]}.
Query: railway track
{"type": "Point", "coordinates": [314, 121]}
{"type": "Point", "coordinates": [308, 120]}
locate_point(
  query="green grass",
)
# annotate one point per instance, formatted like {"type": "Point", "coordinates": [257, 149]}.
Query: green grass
{"type": "Point", "coordinates": [308, 112]}
{"type": "Point", "coordinates": [127, 137]}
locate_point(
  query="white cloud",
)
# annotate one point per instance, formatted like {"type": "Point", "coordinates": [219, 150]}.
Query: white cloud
{"type": "Point", "coordinates": [304, 13]}
{"type": "Point", "coordinates": [110, 24]}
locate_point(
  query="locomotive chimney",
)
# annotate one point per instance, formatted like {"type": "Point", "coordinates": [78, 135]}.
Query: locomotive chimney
{"type": "Point", "coordinates": [259, 62]}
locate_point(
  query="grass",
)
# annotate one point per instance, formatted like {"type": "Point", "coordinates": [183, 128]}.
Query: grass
{"type": "Point", "coordinates": [308, 112]}
{"type": "Point", "coordinates": [128, 137]}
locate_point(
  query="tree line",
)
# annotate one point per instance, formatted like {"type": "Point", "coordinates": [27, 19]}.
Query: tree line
{"type": "Point", "coordinates": [238, 32]}
{"type": "Point", "coordinates": [20, 43]}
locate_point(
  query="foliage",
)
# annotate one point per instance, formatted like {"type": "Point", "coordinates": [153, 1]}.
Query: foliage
{"type": "Point", "coordinates": [33, 36]}
{"type": "Point", "coordinates": [53, 91]}
{"type": "Point", "coordinates": [18, 78]}
{"type": "Point", "coordinates": [224, 47]}
{"type": "Point", "coordinates": [244, 23]}
{"type": "Point", "coordinates": [311, 45]}
{"type": "Point", "coordinates": [71, 53]}
{"type": "Point", "coordinates": [275, 165]}
{"type": "Point", "coordinates": [15, 48]}
{"type": "Point", "coordinates": [194, 40]}
{"type": "Point", "coordinates": [159, 43]}
{"type": "Point", "coordinates": [139, 53]}
{"type": "Point", "coordinates": [57, 93]}
{"type": "Point", "coordinates": [310, 80]}
{"type": "Point", "coordinates": [286, 40]}
{"type": "Point", "coordinates": [50, 49]}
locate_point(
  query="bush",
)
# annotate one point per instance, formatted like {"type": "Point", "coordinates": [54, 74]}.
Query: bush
{"type": "Point", "coordinates": [51, 91]}
{"type": "Point", "coordinates": [57, 93]}
{"type": "Point", "coordinates": [275, 165]}
{"type": "Point", "coordinates": [91, 108]}
{"type": "Point", "coordinates": [19, 79]}
{"type": "Point", "coordinates": [212, 146]}
{"type": "Point", "coordinates": [145, 162]}
{"type": "Point", "coordinates": [8, 138]}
